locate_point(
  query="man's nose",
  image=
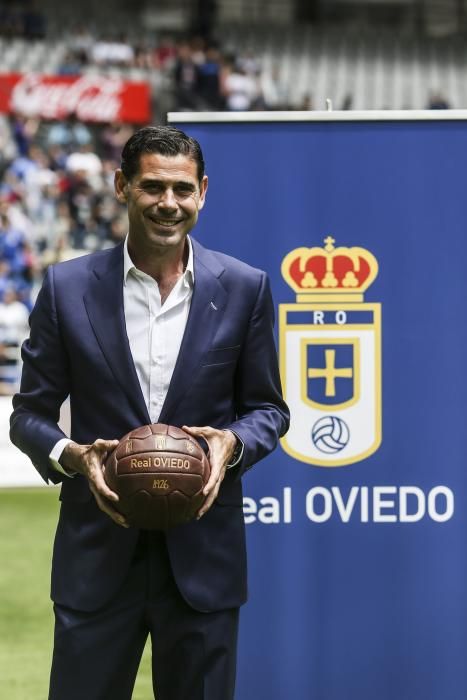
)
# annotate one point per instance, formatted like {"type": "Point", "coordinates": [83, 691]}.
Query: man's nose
{"type": "Point", "coordinates": [167, 199]}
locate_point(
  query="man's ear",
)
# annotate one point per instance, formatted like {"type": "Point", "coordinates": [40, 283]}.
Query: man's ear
{"type": "Point", "coordinates": [121, 186]}
{"type": "Point", "coordinates": [203, 188]}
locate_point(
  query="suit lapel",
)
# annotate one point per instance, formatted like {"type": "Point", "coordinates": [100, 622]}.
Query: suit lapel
{"type": "Point", "coordinates": [206, 312]}
{"type": "Point", "coordinates": [104, 306]}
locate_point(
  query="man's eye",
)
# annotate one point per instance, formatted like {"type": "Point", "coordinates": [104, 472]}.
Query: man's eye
{"type": "Point", "coordinates": [183, 191]}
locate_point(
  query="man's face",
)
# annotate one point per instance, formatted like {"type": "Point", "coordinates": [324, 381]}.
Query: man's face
{"type": "Point", "coordinates": [163, 200]}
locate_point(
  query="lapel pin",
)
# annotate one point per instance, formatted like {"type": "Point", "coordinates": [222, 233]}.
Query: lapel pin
{"type": "Point", "coordinates": [213, 306]}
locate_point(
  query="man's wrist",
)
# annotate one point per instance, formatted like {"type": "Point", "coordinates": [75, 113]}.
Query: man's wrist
{"type": "Point", "coordinates": [237, 453]}
{"type": "Point", "coordinates": [70, 458]}
{"type": "Point", "coordinates": [55, 456]}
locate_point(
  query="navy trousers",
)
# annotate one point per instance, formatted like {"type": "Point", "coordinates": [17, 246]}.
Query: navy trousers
{"type": "Point", "coordinates": [97, 654]}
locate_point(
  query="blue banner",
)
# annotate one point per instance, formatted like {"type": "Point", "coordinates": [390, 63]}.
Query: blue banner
{"type": "Point", "coordinates": [357, 531]}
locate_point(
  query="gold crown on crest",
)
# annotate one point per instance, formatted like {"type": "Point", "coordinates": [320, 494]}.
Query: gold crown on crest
{"type": "Point", "coordinates": [329, 274]}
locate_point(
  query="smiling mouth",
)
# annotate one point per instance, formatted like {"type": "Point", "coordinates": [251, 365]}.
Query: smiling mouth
{"type": "Point", "coordinates": [166, 223]}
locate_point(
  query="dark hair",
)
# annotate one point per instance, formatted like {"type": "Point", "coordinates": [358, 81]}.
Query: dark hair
{"type": "Point", "coordinates": [165, 140]}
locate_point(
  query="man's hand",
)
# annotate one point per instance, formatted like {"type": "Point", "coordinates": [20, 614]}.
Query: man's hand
{"type": "Point", "coordinates": [89, 460]}
{"type": "Point", "coordinates": [221, 445]}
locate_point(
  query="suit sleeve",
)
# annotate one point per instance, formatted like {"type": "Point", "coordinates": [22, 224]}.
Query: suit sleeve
{"type": "Point", "coordinates": [44, 385]}
{"type": "Point", "coordinates": [262, 414]}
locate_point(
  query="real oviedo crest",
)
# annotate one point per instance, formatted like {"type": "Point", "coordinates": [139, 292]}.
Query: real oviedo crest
{"type": "Point", "coordinates": [330, 355]}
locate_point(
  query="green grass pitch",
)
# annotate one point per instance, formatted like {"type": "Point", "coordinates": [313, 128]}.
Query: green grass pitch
{"type": "Point", "coordinates": [27, 526]}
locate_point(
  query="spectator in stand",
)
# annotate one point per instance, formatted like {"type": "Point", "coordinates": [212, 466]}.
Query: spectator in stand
{"type": "Point", "coordinates": [13, 207]}
{"type": "Point", "coordinates": [24, 166]}
{"type": "Point", "coordinates": [249, 63]}
{"type": "Point", "coordinates": [108, 174]}
{"type": "Point", "coordinates": [198, 50]}
{"type": "Point", "coordinates": [5, 281]}
{"type": "Point", "coordinates": [209, 80]}
{"type": "Point", "coordinates": [186, 79]}
{"type": "Point", "coordinates": [144, 57]}
{"type": "Point", "coordinates": [347, 102]}
{"type": "Point", "coordinates": [57, 157]}
{"type": "Point", "coordinates": [14, 329]}
{"type": "Point", "coordinates": [11, 241]}
{"type": "Point", "coordinates": [57, 241]}
{"type": "Point", "coordinates": [306, 104]}
{"type": "Point", "coordinates": [103, 211]}
{"type": "Point", "coordinates": [13, 317]}
{"type": "Point", "coordinates": [109, 52]}
{"type": "Point", "coordinates": [37, 186]}
{"type": "Point", "coordinates": [27, 177]}
{"type": "Point", "coordinates": [274, 89]}
{"type": "Point", "coordinates": [118, 229]}
{"type": "Point", "coordinates": [240, 89]}
{"type": "Point", "coordinates": [8, 147]}
{"type": "Point", "coordinates": [80, 199]}
{"type": "Point", "coordinates": [112, 139]}
{"type": "Point", "coordinates": [70, 65]}
{"type": "Point", "coordinates": [16, 252]}
{"type": "Point", "coordinates": [46, 210]}
{"type": "Point", "coordinates": [70, 134]}
{"type": "Point", "coordinates": [24, 131]}
{"type": "Point", "coordinates": [165, 54]}
{"type": "Point", "coordinates": [438, 101]}
{"type": "Point", "coordinates": [80, 44]}
{"type": "Point", "coordinates": [30, 268]}
{"type": "Point", "coordinates": [85, 161]}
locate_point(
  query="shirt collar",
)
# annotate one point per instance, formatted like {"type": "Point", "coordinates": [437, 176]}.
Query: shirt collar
{"type": "Point", "coordinates": [188, 275]}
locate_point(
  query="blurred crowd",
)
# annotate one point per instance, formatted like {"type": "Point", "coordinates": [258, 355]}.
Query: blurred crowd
{"type": "Point", "coordinates": [56, 202]}
{"type": "Point", "coordinates": [203, 74]}
{"type": "Point", "coordinates": [208, 78]}
{"type": "Point", "coordinates": [85, 49]}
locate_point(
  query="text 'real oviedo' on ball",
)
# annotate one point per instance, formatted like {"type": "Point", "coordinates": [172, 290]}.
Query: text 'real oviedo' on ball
{"type": "Point", "coordinates": [159, 472]}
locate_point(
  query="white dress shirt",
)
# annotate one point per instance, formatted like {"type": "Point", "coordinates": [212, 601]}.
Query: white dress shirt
{"type": "Point", "coordinates": [155, 330]}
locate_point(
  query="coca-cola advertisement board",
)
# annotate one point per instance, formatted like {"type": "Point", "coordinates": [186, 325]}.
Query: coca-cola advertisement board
{"type": "Point", "coordinates": [92, 98]}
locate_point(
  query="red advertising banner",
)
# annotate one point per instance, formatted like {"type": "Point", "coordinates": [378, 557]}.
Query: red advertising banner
{"type": "Point", "coordinates": [92, 98]}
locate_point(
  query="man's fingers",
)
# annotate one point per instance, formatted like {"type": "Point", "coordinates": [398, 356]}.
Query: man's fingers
{"type": "Point", "coordinates": [99, 451]}
{"type": "Point", "coordinates": [218, 457]}
{"type": "Point", "coordinates": [204, 432]}
{"type": "Point", "coordinates": [96, 477]}
{"type": "Point", "coordinates": [209, 500]}
{"type": "Point", "coordinates": [103, 490]}
{"type": "Point", "coordinates": [103, 495]}
{"type": "Point", "coordinates": [212, 487]}
{"type": "Point", "coordinates": [103, 446]}
{"type": "Point", "coordinates": [213, 479]}
{"type": "Point", "coordinates": [203, 435]}
{"type": "Point", "coordinates": [107, 508]}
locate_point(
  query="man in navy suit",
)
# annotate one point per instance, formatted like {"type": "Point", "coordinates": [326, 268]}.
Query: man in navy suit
{"type": "Point", "coordinates": [158, 329]}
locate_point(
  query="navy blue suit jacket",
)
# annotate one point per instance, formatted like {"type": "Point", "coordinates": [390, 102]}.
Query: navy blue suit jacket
{"type": "Point", "coordinates": [226, 376]}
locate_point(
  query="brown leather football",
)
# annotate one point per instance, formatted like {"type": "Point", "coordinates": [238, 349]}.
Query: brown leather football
{"type": "Point", "coordinates": [158, 472]}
